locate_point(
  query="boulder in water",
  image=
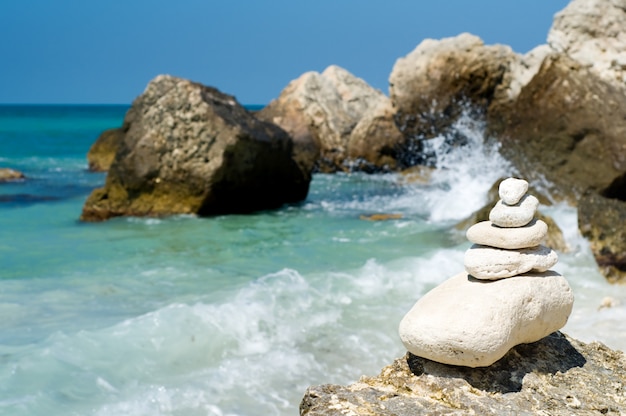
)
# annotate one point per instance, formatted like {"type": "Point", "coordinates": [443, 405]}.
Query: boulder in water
{"type": "Point", "coordinates": [190, 149]}
{"type": "Point", "coordinates": [320, 112]}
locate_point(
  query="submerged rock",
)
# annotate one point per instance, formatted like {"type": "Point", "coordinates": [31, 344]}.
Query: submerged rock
{"type": "Point", "coordinates": [557, 375]}
{"type": "Point", "coordinates": [7, 175]}
{"type": "Point", "coordinates": [190, 149]}
{"type": "Point", "coordinates": [602, 221]}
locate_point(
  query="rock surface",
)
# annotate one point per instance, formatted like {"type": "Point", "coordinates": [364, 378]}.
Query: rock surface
{"type": "Point", "coordinates": [102, 151]}
{"type": "Point", "coordinates": [7, 174]}
{"type": "Point", "coordinates": [375, 143]}
{"type": "Point", "coordinates": [511, 190]}
{"type": "Point", "coordinates": [190, 149]}
{"type": "Point", "coordinates": [602, 221]}
{"type": "Point", "coordinates": [554, 239]}
{"type": "Point", "coordinates": [517, 215]}
{"type": "Point", "coordinates": [484, 262]}
{"type": "Point", "coordinates": [485, 233]}
{"type": "Point", "coordinates": [470, 322]}
{"type": "Point", "coordinates": [557, 375]}
{"type": "Point", "coordinates": [431, 86]}
{"type": "Point", "coordinates": [566, 128]}
{"type": "Point", "coordinates": [320, 112]}
{"type": "Point", "coordinates": [592, 33]}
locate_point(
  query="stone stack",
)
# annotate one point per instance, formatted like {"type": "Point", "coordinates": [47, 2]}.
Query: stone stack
{"type": "Point", "coordinates": [506, 296]}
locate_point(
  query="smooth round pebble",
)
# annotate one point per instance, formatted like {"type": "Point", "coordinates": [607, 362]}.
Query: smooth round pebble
{"type": "Point", "coordinates": [517, 215]}
{"type": "Point", "coordinates": [511, 190]}
{"type": "Point", "coordinates": [487, 234]}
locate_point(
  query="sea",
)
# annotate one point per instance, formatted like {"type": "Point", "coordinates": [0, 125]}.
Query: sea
{"type": "Point", "coordinates": [235, 314]}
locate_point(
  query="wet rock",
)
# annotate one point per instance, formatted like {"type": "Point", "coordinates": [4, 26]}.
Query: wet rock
{"type": "Point", "coordinates": [602, 221]}
{"type": "Point", "coordinates": [375, 143]}
{"type": "Point", "coordinates": [557, 375]}
{"type": "Point", "coordinates": [102, 151]}
{"type": "Point", "coordinates": [432, 86]}
{"type": "Point", "coordinates": [7, 175]}
{"type": "Point", "coordinates": [190, 149]}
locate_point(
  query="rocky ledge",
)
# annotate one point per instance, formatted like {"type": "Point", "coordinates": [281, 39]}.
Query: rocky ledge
{"type": "Point", "coordinates": [557, 375]}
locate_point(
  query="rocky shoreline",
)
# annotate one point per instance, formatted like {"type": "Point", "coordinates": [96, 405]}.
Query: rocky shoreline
{"type": "Point", "coordinates": [558, 114]}
{"type": "Point", "coordinates": [557, 375]}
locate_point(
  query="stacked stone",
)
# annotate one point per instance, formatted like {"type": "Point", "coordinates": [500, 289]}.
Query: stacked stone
{"type": "Point", "coordinates": [509, 243]}
{"type": "Point", "coordinates": [505, 297]}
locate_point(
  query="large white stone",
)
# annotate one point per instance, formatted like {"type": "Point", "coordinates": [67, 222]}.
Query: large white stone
{"type": "Point", "coordinates": [484, 262]}
{"type": "Point", "coordinates": [473, 323]}
{"type": "Point", "coordinates": [516, 215]}
{"type": "Point", "coordinates": [487, 234]}
{"type": "Point", "coordinates": [511, 190]}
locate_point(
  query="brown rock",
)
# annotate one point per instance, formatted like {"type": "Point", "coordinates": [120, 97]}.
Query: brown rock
{"type": "Point", "coordinates": [102, 151]}
{"type": "Point", "coordinates": [567, 126]}
{"type": "Point", "coordinates": [601, 220]}
{"type": "Point", "coordinates": [190, 149]}
{"type": "Point", "coordinates": [7, 175]}
{"type": "Point", "coordinates": [556, 375]}
{"type": "Point", "coordinates": [375, 143]}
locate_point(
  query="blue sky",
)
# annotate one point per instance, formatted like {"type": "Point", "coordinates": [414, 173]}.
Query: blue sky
{"type": "Point", "coordinates": [73, 51]}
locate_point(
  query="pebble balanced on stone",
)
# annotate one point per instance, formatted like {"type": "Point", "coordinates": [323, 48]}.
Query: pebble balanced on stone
{"type": "Point", "coordinates": [506, 296]}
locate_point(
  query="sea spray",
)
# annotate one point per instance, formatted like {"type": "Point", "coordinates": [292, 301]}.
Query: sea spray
{"type": "Point", "coordinates": [468, 164]}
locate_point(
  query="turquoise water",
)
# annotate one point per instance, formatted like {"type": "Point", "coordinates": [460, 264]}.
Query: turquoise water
{"type": "Point", "coordinates": [232, 315]}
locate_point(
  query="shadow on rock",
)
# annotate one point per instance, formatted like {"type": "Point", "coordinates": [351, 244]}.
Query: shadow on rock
{"type": "Point", "coordinates": [550, 355]}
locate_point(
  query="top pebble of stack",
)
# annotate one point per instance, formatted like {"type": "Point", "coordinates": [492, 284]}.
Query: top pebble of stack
{"type": "Point", "coordinates": [511, 190]}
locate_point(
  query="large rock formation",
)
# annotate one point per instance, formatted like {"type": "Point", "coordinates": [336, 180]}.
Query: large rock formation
{"type": "Point", "coordinates": [555, 376]}
{"type": "Point", "coordinates": [592, 33]}
{"type": "Point", "coordinates": [190, 149]}
{"type": "Point", "coordinates": [436, 82]}
{"type": "Point", "coordinates": [102, 151]}
{"type": "Point", "coordinates": [567, 126]}
{"type": "Point", "coordinates": [320, 111]}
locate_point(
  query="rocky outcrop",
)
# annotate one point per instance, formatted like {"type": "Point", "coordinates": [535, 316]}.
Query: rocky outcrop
{"type": "Point", "coordinates": [601, 220]}
{"type": "Point", "coordinates": [567, 126]}
{"type": "Point", "coordinates": [592, 33]}
{"type": "Point", "coordinates": [375, 143]}
{"type": "Point", "coordinates": [190, 149]}
{"type": "Point", "coordinates": [320, 111]}
{"type": "Point", "coordinates": [7, 175]}
{"type": "Point", "coordinates": [436, 82]}
{"type": "Point", "coordinates": [102, 151]}
{"type": "Point", "coordinates": [556, 375]}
